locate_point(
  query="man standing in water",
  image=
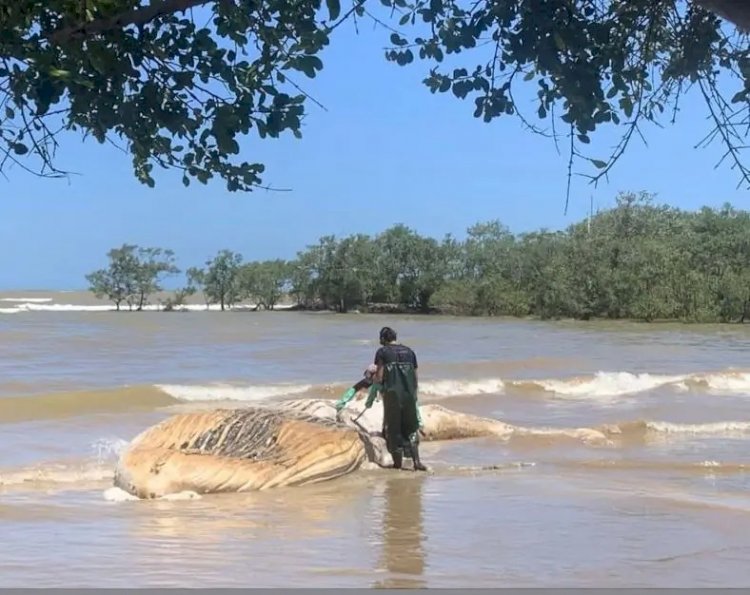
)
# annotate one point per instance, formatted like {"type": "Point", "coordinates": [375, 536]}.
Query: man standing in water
{"type": "Point", "coordinates": [397, 375]}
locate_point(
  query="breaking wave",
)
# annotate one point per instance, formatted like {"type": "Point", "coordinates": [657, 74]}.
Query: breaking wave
{"type": "Point", "coordinates": [608, 385]}
{"type": "Point", "coordinates": [43, 305]}
{"type": "Point", "coordinates": [151, 397]}
{"type": "Point", "coordinates": [611, 435]}
{"type": "Point", "coordinates": [222, 392]}
{"type": "Point", "coordinates": [604, 384]}
{"type": "Point", "coordinates": [46, 474]}
{"type": "Point", "coordinates": [94, 469]}
{"type": "Point", "coordinates": [716, 429]}
{"type": "Point", "coordinates": [601, 387]}
{"type": "Point", "coordinates": [457, 388]}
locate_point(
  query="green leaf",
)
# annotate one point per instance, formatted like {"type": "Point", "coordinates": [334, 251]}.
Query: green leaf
{"type": "Point", "coordinates": [627, 106]}
{"type": "Point", "coordinates": [334, 9]}
{"type": "Point", "coordinates": [398, 40]}
{"type": "Point", "coordinates": [309, 64]}
{"type": "Point", "coordinates": [57, 73]}
{"type": "Point", "coordinates": [98, 59]}
{"type": "Point", "coordinates": [559, 43]}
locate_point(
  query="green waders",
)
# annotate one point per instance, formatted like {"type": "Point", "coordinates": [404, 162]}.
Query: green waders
{"type": "Point", "coordinates": [400, 413]}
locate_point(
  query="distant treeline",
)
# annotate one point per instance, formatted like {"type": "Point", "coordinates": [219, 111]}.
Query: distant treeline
{"type": "Point", "coordinates": [637, 260]}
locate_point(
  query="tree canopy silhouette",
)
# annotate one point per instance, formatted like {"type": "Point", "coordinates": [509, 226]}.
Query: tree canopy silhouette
{"type": "Point", "coordinates": [177, 82]}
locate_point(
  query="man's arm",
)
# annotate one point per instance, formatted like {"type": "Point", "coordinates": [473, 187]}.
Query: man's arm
{"type": "Point", "coordinates": [416, 386]}
{"type": "Point", "coordinates": [379, 362]}
{"type": "Point", "coordinates": [349, 394]}
{"type": "Point", "coordinates": [372, 395]}
{"type": "Point", "coordinates": [364, 383]}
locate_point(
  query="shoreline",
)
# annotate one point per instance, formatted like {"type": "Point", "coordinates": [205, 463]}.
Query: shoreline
{"type": "Point", "coordinates": [38, 300]}
{"type": "Point", "coordinates": [16, 306]}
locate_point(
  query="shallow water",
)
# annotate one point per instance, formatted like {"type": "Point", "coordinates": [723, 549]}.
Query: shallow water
{"type": "Point", "coordinates": [664, 504]}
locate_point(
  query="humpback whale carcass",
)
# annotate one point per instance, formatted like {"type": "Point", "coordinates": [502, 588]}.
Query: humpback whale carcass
{"type": "Point", "coordinates": [287, 443]}
{"type": "Point", "coordinates": [236, 450]}
{"type": "Point", "coordinates": [440, 423]}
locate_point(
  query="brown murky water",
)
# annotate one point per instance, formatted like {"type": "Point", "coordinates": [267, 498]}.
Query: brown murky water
{"type": "Point", "coordinates": [664, 504]}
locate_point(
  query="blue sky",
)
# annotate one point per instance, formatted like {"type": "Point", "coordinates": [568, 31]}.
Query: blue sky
{"type": "Point", "coordinates": [386, 151]}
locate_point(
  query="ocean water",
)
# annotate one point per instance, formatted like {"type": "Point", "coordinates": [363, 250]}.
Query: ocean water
{"type": "Point", "coordinates": [663, 503]}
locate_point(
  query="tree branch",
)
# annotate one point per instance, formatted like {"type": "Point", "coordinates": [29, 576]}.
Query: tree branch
{"type": "Point", "coordinates": [736, 12]}
{"type": "Point", "coordinates": [138, 16]}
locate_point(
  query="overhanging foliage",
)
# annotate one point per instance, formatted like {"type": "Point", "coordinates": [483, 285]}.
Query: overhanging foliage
{"type": "Point", "coordinates": [179, 92]}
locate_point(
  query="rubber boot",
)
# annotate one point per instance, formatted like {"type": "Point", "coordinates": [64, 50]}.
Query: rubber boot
{"type": "Point", "coordinates": [398, 459]}
{"type": "Point", "coordinates": [418, 466]}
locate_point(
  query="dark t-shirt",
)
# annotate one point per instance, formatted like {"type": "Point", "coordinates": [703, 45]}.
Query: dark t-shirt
{"type": "Point", "coordinates": [395, 353]}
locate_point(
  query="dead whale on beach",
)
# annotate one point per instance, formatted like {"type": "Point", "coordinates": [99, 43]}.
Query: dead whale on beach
{"type": "Point", "coordinates": [288, 443]}
{"type": "Point", "coordinates": [440, 423]}
{"type": "Point", "coordinates": [237, 450]}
